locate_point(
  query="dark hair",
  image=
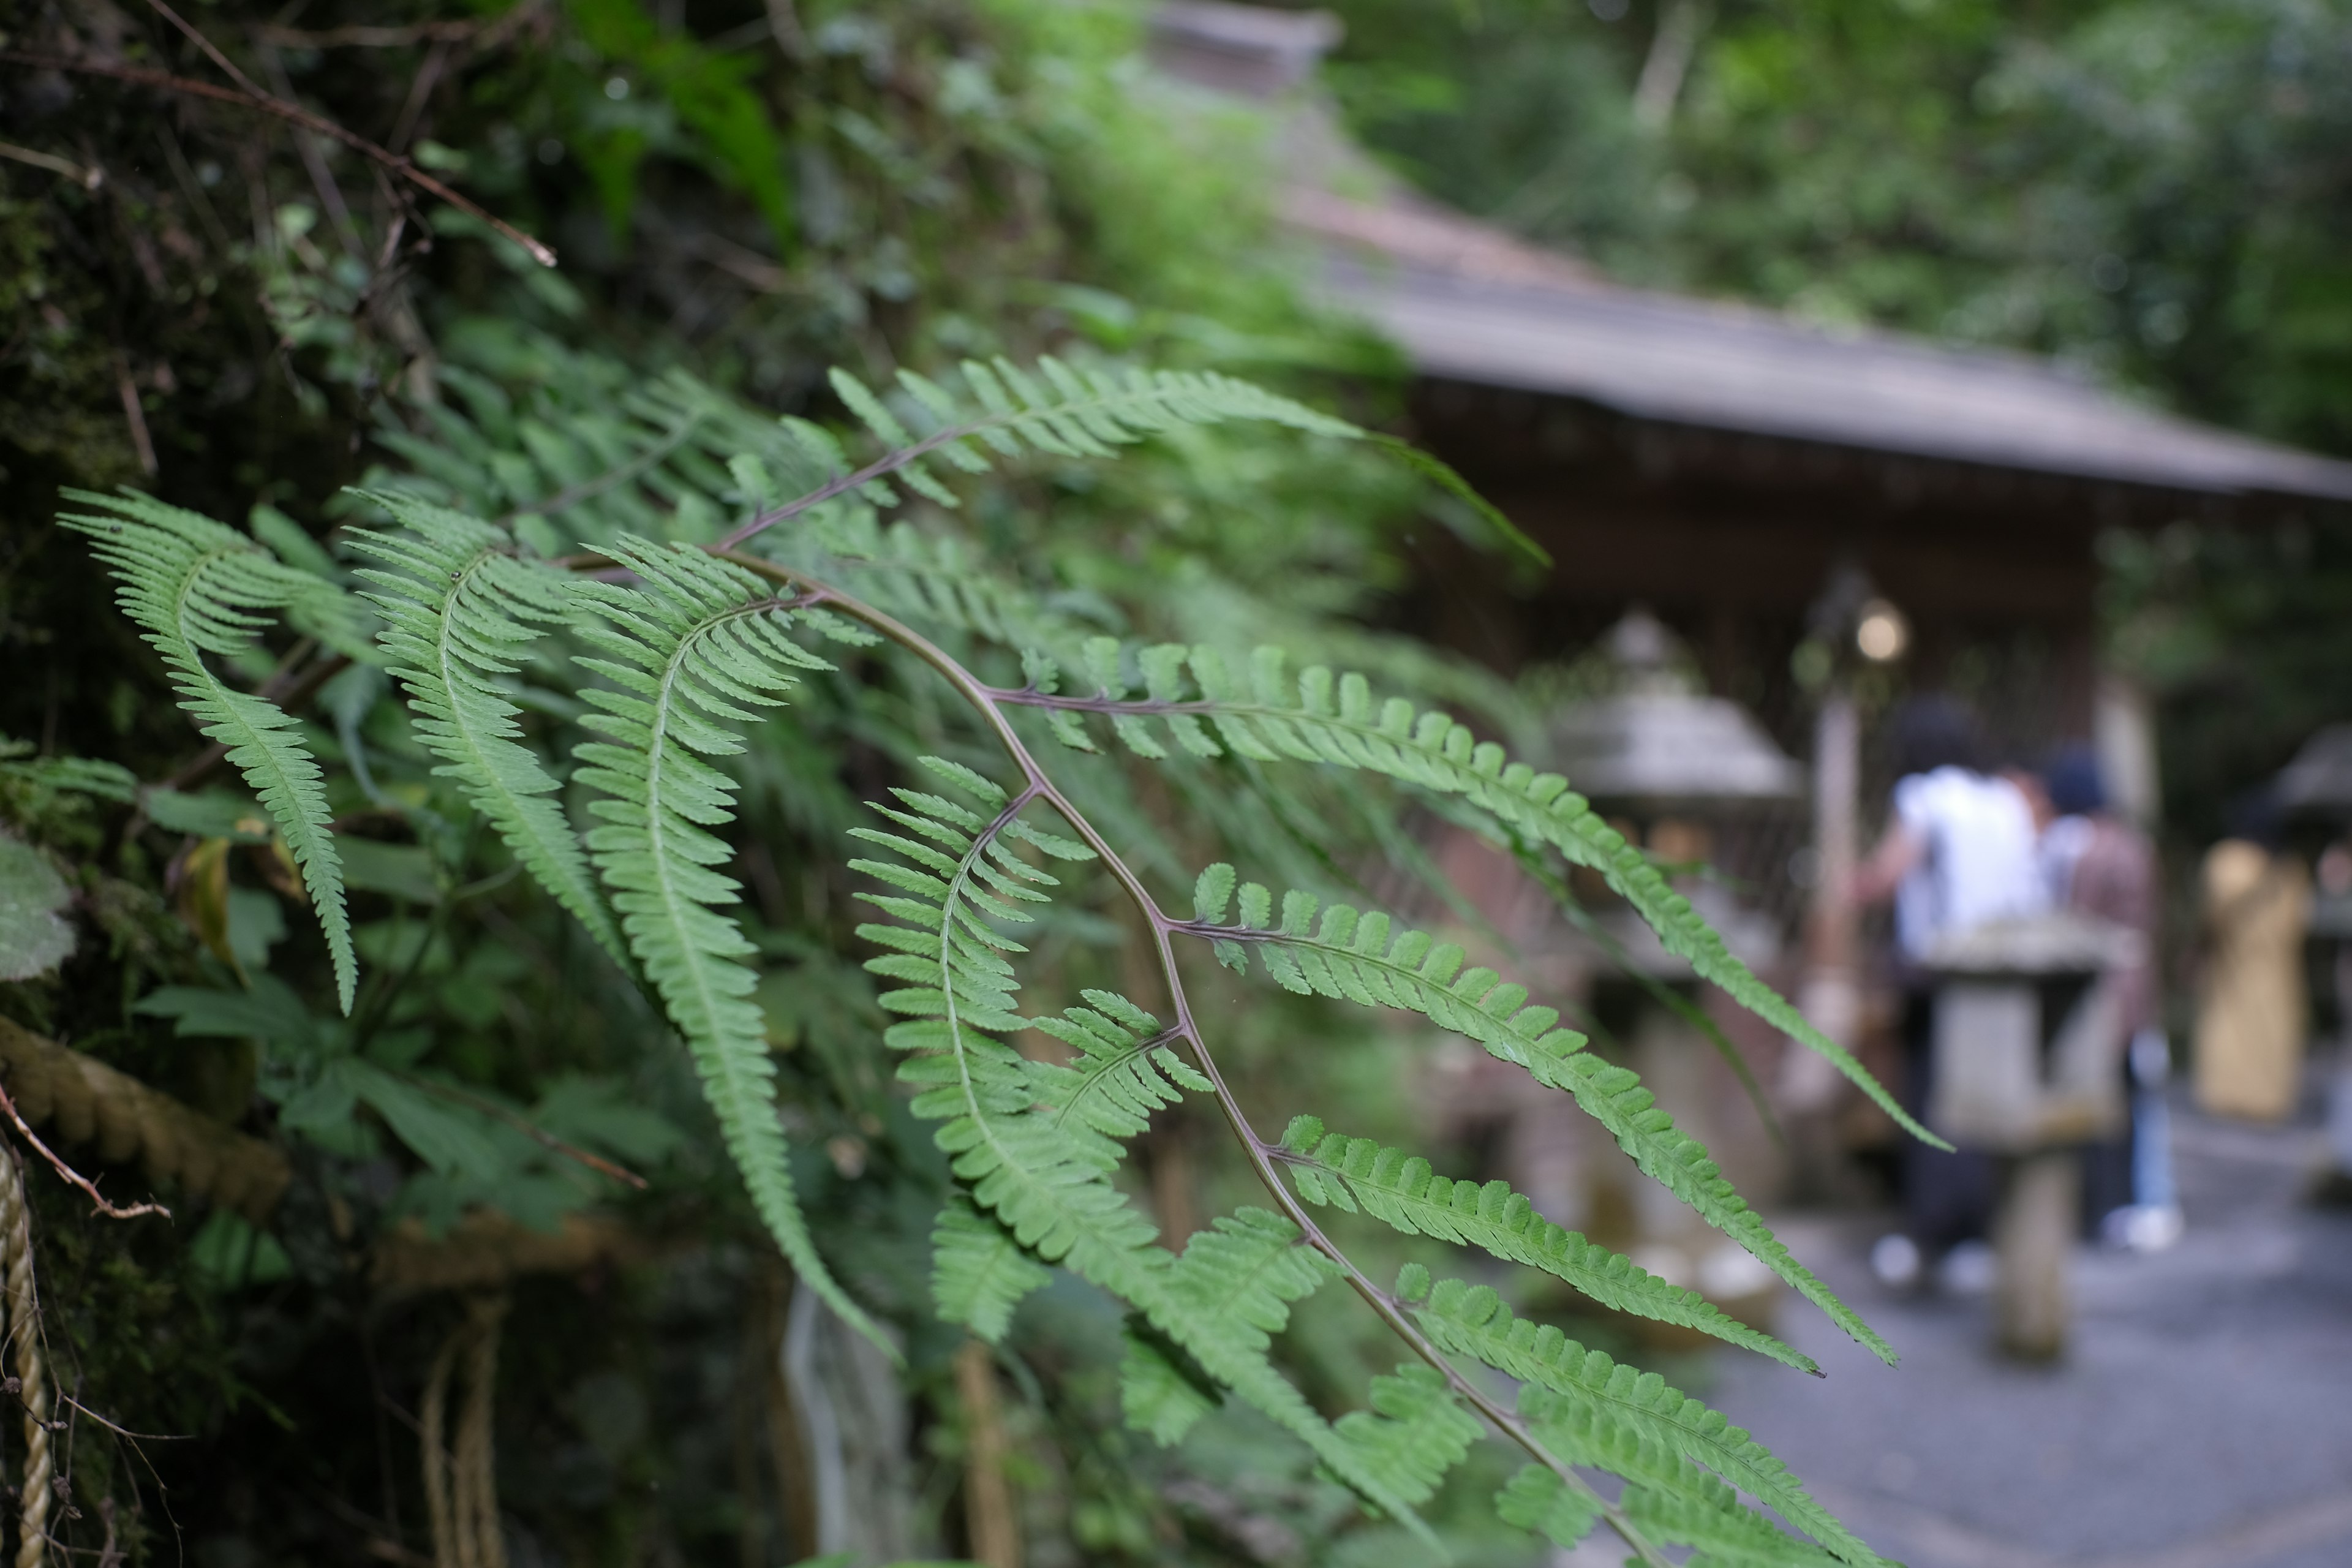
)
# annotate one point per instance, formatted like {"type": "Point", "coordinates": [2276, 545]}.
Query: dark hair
{"type": "Point", "coordinates": [2256, 816]}
{"type": "Point", "coordinates": [2076, 786]}
{"type": "Point", "coordinates": [1936, 732]}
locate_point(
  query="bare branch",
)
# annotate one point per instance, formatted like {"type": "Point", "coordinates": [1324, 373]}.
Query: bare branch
{"type": "Point", "coordinates": [72, 1176]}
{"type": "Point", "coordinates": [89, 179]}
{"type": "Point", "coordinates": [294, 114]}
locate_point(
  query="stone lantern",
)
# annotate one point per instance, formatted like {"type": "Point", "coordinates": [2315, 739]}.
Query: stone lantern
{"type": "Point", "coordinates": [2028, 1040]}
{"type": "Point", "coordinates": [1679, 772]}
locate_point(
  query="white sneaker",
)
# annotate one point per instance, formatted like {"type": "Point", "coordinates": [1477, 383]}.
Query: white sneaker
{"type": "Point", "coordinates": [1895, 1260]}
{"type": "Point", "coordinates": [2152, 1229]}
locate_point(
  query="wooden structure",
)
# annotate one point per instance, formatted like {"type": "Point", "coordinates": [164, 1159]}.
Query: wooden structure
{"type": "Point", "coordinates": [1714, 461]}
{"type": "Point", "coordinates": [1753, 481]}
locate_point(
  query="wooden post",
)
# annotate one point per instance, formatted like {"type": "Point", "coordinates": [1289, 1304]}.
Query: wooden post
{"type": "Point", "coordinates": [1830, 995]}
{"type": "Point", "coordinates": [989, 1518]}
{"type": "Point", "coordinates": [2033, 1240]}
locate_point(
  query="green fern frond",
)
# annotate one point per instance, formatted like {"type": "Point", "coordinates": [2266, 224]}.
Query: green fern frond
{"type": "Point", "coordinates": [1725, 1537]}
{"type": "Point", "coordinates": [1159, 1397]}
{"type": "Point", "coordinates": [195, 587]}
{"type": "Point", "coordinates": [939, 580]}
{"type": "Point", "coordinates": [1590, 1410]}
{"type": "Point", "coordinates": [1399, 1189]}
{"type": "Point", "coordinates": [459, 607]}
{"type": "Point", "coordinates": [1045, 1175]}
{"type": "Point", "coordinates": [1057, 410]}
{"type": "Point", "coordinates": [1334, 719]}
{"type": "Point", "coordinates": [979, 1273]}
{"type": "Point", "coordinates": [1231, 1293]}
{"type": "Point", "coordinates": [69, 775]}
{"type": "Point", "coordinates": [1726, 1534]}
{"type": "Point", "coordinates": [1126, 1069]}
{"type": "Point", "coordinates": [1416, 1432]}
{"type": "Point", "coordinates": [610, 456]}
{"type": "Point", "coordinates": [1537, 1500]}
{"type": "Point", "coordinates": [1247, 1267]}
{"type": "Point", "coordinates": [1354, 957]}
{"type": "Point", "coordinates": [698, 649]}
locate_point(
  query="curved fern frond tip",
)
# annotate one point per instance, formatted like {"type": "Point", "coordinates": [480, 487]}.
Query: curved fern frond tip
{"type": "Point", "coordinates": [1333, 720]}
{"type": "Point", "coordinates": [697, 650]}
{"type": "Point", "coordinates": [1443, 475]}
{"type": "Point", "coordinates": [1337, 953]}
{"type": "Point", "coordinates": [1056, 409]}
{"type": "Point", "coordinates": [195, 587]}
{"type": "Point", "coordinates": [979, 1272]}
{"type": "Point", "coordinates": [1590, 1410]}
{"type": "Point", "coordinates": [460, 610]}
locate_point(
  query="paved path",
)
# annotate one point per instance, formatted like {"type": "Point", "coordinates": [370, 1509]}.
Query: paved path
{"type": "Point", "coordinates": [2202, 1419]}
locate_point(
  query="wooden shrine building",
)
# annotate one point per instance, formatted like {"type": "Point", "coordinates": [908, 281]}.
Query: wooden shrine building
{"type": "Point", "coordinates": [1715, 462]}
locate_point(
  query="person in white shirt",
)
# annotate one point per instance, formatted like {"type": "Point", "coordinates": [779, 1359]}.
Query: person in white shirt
{"type": "Point", "coordinates": [1961, 849]}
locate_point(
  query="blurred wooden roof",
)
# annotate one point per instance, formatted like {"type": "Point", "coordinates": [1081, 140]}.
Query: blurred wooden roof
{"type": "Point", "coordinates": [1466, 309]}
{"type": "Point", "coordinates": [1470, 303]}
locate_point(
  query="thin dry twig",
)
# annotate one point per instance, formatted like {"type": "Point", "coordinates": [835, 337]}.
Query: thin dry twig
{"type": "Point", "coordinates": [73, 1178]}
{"type": "Point", "coordinates": [294, 114]}
{"type": "Point", "coordinates": [89, 179]}
{"type": "Point", "coordinates": [420, 90]}
{"type": "Point", "coordinates": [125, 1431]}
{"type": "Point", "coordinates": [142, 442]}
{"type": "Point", "coordinates": [212, 51]}
{"type": "Point", "coordinates": [365, 37]}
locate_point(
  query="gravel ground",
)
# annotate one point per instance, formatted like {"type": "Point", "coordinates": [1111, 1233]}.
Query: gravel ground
{"type": "Point", "coordinates": [2202, 1419]}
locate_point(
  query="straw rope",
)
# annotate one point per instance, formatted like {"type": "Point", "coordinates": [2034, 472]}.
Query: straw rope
{"type": "Point", "coordinates": [24, 1328]}
{"type": "Point", "coordinates": [461, 1487]}
{"type": "Point", "coordinates": [89, 1102]}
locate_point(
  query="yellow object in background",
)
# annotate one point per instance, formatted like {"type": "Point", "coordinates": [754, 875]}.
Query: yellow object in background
{"type": "Point", "coordinates": [2252, 1017]}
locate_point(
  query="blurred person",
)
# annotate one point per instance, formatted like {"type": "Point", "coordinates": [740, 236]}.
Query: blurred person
{"type": "Point", "coordinates": [2095, 862]}
{"type": "Point", "coordinates": [1960, 850]}
{"type": "Point", "coordinates": [2253, 1015]}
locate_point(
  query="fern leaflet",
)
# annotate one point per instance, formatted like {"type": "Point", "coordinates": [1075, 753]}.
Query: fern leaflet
{"type": "Point", "coordinates": [698, 648]}
{"type": "Point", "coordinates": [1353, 957]}
{"type": "Point", "coordinates": [458, 607]}
{"type": "Point", "coordinates": [1390, 1185]}
{"type": "Point", "coordinates": [1059, 410]}
{"type": "Point", "coordinates": [1126, 1069]}
{"type": "Point", "coordinates": [1538, 1501]}
{"type": "Point", "coordinates": [1159, 1396]}
{"type": "Point", "coordinates": [194, 586]}
{"type": "Point", "coordinates": [1593, 1411]}
{"type": "Point", "coordinates": [979, 1273]}
{"type": "Point", "coordinates": [1415, 1431]}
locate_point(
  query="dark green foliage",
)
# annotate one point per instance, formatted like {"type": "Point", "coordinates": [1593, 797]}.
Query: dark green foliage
{"type": "Point", "coordinates": [2149, 187]}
